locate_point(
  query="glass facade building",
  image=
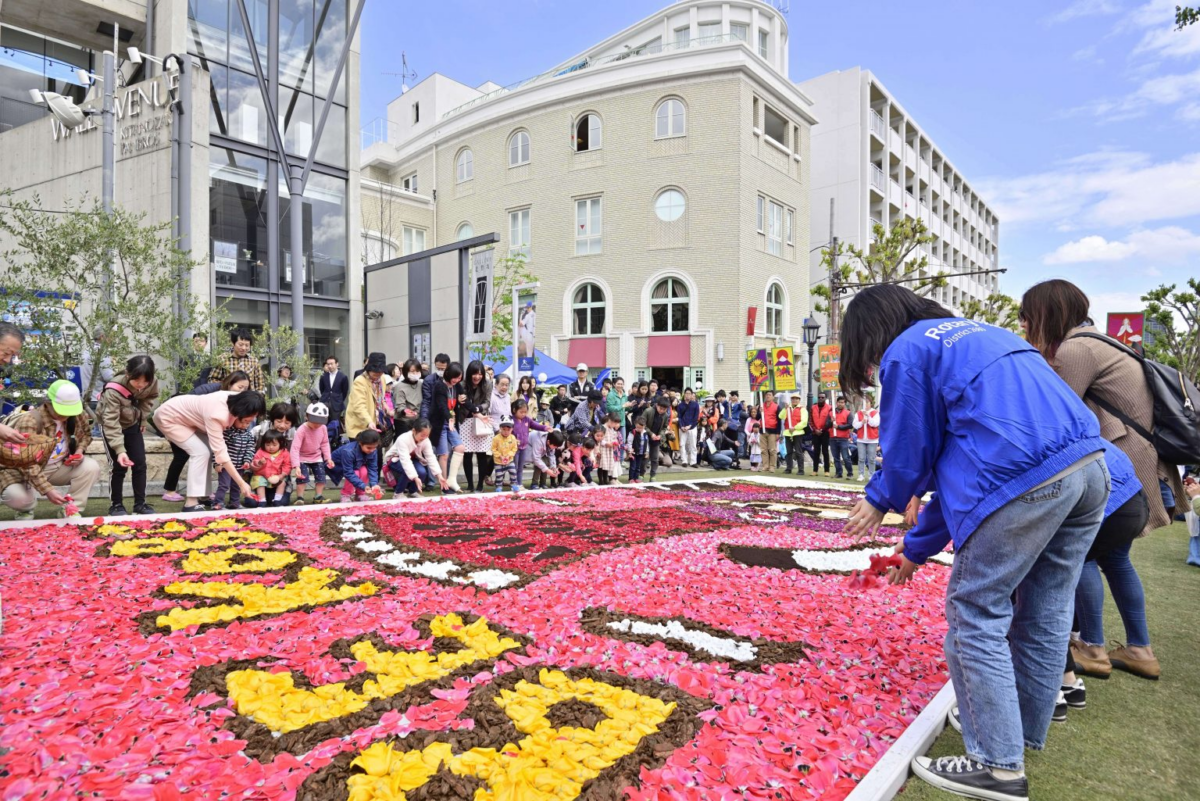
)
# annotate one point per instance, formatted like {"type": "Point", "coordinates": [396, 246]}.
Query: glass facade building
{"type": "Point", "coordinates": [249, 239]}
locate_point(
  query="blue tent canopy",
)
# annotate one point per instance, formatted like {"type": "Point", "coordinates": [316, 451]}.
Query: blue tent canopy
{"type": "Point", "coordinates": [556, 372]}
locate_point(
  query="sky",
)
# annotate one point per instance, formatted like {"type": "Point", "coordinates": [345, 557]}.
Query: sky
{"type": "Point", "coordinates": [1077, 121]}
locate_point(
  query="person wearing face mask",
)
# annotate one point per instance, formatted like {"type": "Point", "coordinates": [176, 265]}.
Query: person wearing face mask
{"type": "Point", "coordinates": [406, 395]}
{"type": "Point", "coordinates": [440, 363]}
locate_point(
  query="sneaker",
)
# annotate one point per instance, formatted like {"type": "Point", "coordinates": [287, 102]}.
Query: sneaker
{"type": "Point", "coordinates": [299, 501]}
{"type": "Point", "coordinates": [412, 494]}
{"type": "Point", "coordinates": [173, 497]}
{"type": "Point", "coordinates": [1060, 709]}
{"type": "Point", "coordinates": [23, 516]}
{"type": "Point", "coordinates": [117, 509]}
{"type": "Point", "coordinates": [861, 479]}
{"type": "Point", "coordinates": [143, 509]}
{"type": "Point", "coordinates": [964, 776]}
{"type": "Point", "coordinates": [198, 507]}
{"type": "Point", "coordinates": [1075, 695]}
{"type": "Point", "coordinates": [788, 472]}
{"type": "Point", "coordinates": [517, 488]}
{"type": "Point", "coordinates": [320, 499]}
{"type": "Point", "coordinates": [954, 720]}
{"type": "Point", "coordinates": [499, 488]}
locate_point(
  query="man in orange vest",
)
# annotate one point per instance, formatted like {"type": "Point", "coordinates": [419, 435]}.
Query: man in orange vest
{"type": "Point", "coordinates": [795, 419]}
{"type": "Point", "coordinates": [839, 439]}
{"type": "Point", "coordinates": [770, 435]}
{"type": "Point", "coordinates": [866, 423]}
{"type": "Point", "coordinates": [820, 420]}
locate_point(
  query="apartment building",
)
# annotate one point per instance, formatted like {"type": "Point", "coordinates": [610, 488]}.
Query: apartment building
{"type": "Point", "coordinates": [878, 166]}
{"type": "Point", "coordinates": [657, 184]}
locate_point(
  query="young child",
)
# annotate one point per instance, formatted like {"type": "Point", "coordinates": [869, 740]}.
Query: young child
{"type": "Point", "coordinates": [639, 449]}
{"type": "Point", "coordinates": [579, 471]}
{"type": "Point", "coordinates": [522, 424]}
{"type": "Point", "coordinates": [753, 431]}
{"type": "Point", "coordinates": [608, 463]}
{"type": "Point", "coordinates": [543, 452]}
{"type": "Point", "coordinates": [125, 403]}
{"type": "Point", "coordinates": [239, 442]}
{"type": "Point", "coordinates": [357, 463]}
{"type": "Point", "coordinates": [285, 418]}
{"type": "Point", "coordinates": [504, 454]}
{"type": "Point", "coordinates": [310, 452]}
{"type": "Point", "coordinates": [272, 464]}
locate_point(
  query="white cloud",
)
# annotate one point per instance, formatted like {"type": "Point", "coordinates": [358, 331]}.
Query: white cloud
{"type": "Point", "coordinates": [1102, 188]}
{"type": "Point", "coordinates": [1105, 303]}
{"type": "Point", "coordinates": [1170, 244]}
{"type": "Point", "coordinates": [1083, 8]}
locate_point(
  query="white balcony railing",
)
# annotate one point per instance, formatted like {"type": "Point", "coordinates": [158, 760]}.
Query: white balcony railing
{"type": "Point", "coordinates": [878, 127]}
{"type": "Point", "coordinates": [877, 179]}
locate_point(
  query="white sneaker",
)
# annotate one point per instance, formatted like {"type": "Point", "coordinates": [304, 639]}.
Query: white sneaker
{"type": "Point", "coordinates": [861, 478]}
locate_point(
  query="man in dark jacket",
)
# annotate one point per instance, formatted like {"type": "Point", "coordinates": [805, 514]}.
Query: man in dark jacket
{"type": "Point", "coordinates": [689, 417]}
{"type": "Point", "coordinates": [578, 389]}
{"type": "Point", "coordinates": [334, 387]}
{"type": "Point", "coordinates": [440, 363]}
{"type": "Point", "coordinates": [658, 422]}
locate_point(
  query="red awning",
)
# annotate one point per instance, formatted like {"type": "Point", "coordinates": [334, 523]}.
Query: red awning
{"type": "Point", "coordinates": [592, 351]}
{"type": "Point", "coordinates": [671, 351]}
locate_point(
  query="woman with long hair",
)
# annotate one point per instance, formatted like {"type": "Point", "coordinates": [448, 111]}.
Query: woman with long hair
{"type": "Point", "coordinates": [1056, 319]}
{"type": "Point", "coordinates": [1021, 484]}
{"type": "Point", "coordinates": [474, 425]}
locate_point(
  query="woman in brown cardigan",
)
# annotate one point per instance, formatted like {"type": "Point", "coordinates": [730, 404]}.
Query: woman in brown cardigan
{"type": "Point", "coordinates": [1054, 313]}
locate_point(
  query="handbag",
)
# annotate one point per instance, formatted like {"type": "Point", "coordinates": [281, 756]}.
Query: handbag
{"type": "Point", "coordinates": [483, 428]}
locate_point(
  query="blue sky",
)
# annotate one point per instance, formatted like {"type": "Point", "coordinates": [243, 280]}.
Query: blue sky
{"type": "Point", "coordinates": [1078, 121]}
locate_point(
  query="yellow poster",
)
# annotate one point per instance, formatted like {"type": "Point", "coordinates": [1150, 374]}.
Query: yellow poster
{"type": "Point", "coordinates": [829, 357]}
{"type": "Point", "coordinates": [783, 367]}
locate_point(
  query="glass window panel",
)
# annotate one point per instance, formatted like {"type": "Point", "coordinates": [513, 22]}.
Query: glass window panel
{"type": "Point", "coordinates": [296, 46]}
{"type": "Point", "coordinates": [669, 206]}
{"type": "Point", "coordinates": [331, 24]}
{"type": "Point", "coordinates": [218, 115]}
{"type": "Point", "coordinates": [739, 32]}
{"type": "Point", "coordinates": [325, 235]}
{"type": "Point", "coordinates": [465, 231]}
{"type": "Point", "coordinates": [775, 126]}
{"type": "Point", "coordinates": [208, 28]}
{"type": "Point", "coordinates": [237, 201]}
{"type": "Point", "coordinates": [597, 320]}
{"type": "Point", "coordinates": [594, 131]}
{"type": "Point", "coordinates": [678, 289]}
{"type": "Point", "coordinates": [679, 317]}
{"type": "Point", "coordinates": [660, 290]}
{"type": "Point", "coordinates": [297, 113]}
{"type": "Point", "coordinates": [581, 322]}
{"type": "Point", "coordinates": [249, 314]}
{"type": "Point", "coordinates": [595, 204]}
{"type": "Point", "coordinates": [332, 147]}
{"type": "Point", "coordinates": [658, 318]}
{"type": "Point", "coordinates": [326, 332]}
{"type": "Point", "coordinates": [239, 50]}
{"type": "Point", "coordinates": [247, 116]}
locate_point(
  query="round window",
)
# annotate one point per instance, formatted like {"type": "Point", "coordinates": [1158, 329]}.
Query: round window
{"type": "Point", "coordinates": [669, 205]}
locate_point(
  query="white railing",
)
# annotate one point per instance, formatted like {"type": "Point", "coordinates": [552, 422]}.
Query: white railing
{"type": "Point", "coordinates": [877, 125]}
{"type": "Point", "coordinates": [378, 130]}
{"type": "Point", "coordinates": [877, 179]}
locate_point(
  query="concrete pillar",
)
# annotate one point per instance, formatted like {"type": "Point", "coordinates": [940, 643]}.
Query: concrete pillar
{"type": "Point", "coordinates": [777, 43]}
{"type": "Point", "coordinates": [725, 19]}
{"type": "Point", "coordinates": [693, 23]}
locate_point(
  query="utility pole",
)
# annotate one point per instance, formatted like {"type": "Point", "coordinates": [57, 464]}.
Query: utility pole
{"type": "Point", "coordinates": [834, 276]}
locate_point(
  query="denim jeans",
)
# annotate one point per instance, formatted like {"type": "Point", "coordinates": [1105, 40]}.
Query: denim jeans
{"type": "Point", "coordinates": [722, 460]}
{"type": "Point", "coordinates": [866, 458]}
{"type": "Point", "coordinates": [1127, 594]}
{"type": "Point", "coordinates": [841, 455]}
{"type": "Point", "coordinates": [1008, 606]}
{"type": "Point", "coordinates": [405, 484]}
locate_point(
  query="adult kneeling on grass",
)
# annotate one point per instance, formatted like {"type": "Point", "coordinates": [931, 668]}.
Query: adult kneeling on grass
{"type": "Point", "coordinates": [56, 435]}
{"type": "Point", "coordinates": [197, 424]}
{"type": "Point", "coordinates": [1016, 460]}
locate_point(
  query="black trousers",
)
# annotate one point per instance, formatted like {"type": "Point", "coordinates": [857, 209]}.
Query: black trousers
{"type": "Point", "coordinates": [795, 451]}
{"type": "Point", "coordinates": [135, 447]}
{"type": "Point", "coordinates": [820, 450]}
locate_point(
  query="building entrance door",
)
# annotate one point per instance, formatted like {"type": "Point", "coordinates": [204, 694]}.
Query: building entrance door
{"type": "Point", "coordinates": [668, 377]}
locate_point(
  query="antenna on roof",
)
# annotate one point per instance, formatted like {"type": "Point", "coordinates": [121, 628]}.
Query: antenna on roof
{"type": "Point", "coordinates": [405, 74]}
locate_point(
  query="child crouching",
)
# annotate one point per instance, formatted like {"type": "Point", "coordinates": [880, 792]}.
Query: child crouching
{"type": "Point", "coordinates": [357, 463]}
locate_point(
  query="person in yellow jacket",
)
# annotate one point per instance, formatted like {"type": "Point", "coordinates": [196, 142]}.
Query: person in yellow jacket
{"type": "Point", "coordinates": [366, 397]}
{"type": "Point", "coordinates": [794, 419]}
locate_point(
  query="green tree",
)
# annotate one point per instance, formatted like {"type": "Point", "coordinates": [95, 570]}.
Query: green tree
{"type": "Point", "coordinates": [1177, 343]}
{"type": "Point", "coordinates": [1185, 16]}
{"type": "Point", "coordinates": [507, 274]}
{"type": "Point", "coordinates": [997, 309]}
{"type": "Point", "coordinates": [116, 278]}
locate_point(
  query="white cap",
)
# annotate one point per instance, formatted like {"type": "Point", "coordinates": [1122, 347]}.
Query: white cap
{"type": "Point", "coordinates": [581, 367]}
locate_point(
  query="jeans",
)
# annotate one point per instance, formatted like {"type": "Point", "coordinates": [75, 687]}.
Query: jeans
{"type": "Point", "coordinates": [637, 466]}
{"type": "Point", "coordinates": [1127, 594]}
{"type": "Point", "coordinates": [404, 484]}
{"type": "Point", "coordinates": [448, 441]}
{"type": "Point", "coordinates": [722, 460]}
{"type": "Point", "coordinates": [1008, 606]}
{"type": "Point", "coordinates": [524, 456]}
{"type": "Point", "coordinates": [841, 455]}
{"type": "Point", "coordinates": [135, 447]}
{"type": "Point", "coordinates": [866, 458]}
{"type": "Point", "coordinates": [225, 486]}
{"type": "Point", "coordinates": [820, 450]}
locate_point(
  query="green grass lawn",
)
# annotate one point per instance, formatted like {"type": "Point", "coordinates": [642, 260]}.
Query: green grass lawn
{"type": "Point", "coordinates": [1137, 740]}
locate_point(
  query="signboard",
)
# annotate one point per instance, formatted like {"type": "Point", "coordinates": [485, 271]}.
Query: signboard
{"type": "Point", "coordinates": [224, 256]}
{"type": "Point", "coordinates": [759, 364]}
{"type": "Point", "coordinates": [1127, 328]}
{"type": "Point", "coordinates": [479, 298]}
{"type": "Point", "coordinates": [751, 317]}
{"type": "Point", "coordinates": [526, 330]}
{"type": "Point", "coordinates": [143, 116]}
{"type": "Point", "coordinates": [783, 369]}
{"type": "Point", "coordinates": [829, 358]}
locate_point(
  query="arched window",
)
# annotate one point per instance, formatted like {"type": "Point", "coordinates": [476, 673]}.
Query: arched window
{"type": "Point", "coordinates": [587, 310]}
{"type": "Point", "coordinates": [587, 133]}
{"type": "Point", "coordinates": [774, 310]}
{"type": "Point", "coordinates": [518, 149]}
{"type": "Point", "coordinates": [465, 231]}
{"type": "Point", "coordinates": [466, 166]}
{"type": "Point", "coordinates": [670, 119]}
{"type": "Point", "coordinates": [669, 205]}
{"type": "Point", "coordinates": [669, 303]}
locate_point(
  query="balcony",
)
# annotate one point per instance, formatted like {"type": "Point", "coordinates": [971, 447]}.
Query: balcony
{"type": "Point", "coordinates": [894, 143]}
{"type": "Point", "coordinates": [910, 157]}
{"type": "Point", "coordinates": [925, 215]}
{"type": "Point", "coordinates": [896, 194]}
{"type": "Point", "coordinates": [871, 223]}
{"type": "Point", "coordinates": [878, 127]}
{"type": "Point", "coordinates": [877, 179]}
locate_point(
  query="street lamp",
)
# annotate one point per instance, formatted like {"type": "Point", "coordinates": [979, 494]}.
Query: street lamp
{"type": "Point", "coordinates": [812, 332]}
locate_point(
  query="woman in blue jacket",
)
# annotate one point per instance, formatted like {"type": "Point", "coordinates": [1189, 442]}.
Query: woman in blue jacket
{"type": "Point", "coordinates": [1021, 486]}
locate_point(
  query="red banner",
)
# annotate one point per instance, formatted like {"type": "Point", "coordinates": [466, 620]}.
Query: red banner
{"type": "Point", "coordinates": [751, 316]}
{"type": "Point", "coordinates": [1127, 328]}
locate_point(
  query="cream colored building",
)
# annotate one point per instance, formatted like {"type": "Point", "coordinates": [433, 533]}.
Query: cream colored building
{"type": "Point", "coordinates": [657, 182]}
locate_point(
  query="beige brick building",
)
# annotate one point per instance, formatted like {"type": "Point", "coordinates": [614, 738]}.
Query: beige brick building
{"type": "Point", "coordinates": [657, 182]}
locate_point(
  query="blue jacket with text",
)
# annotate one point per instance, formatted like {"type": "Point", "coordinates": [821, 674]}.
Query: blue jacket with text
{"type": "Point", "coordinates": [975, 412]}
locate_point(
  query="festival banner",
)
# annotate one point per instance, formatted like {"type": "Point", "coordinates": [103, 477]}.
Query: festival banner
{"type": "Point", "coordinates": [783, 368]}
{"type": "Point", "coordinates": [759, 364]}
{"type": "Point", "coordinates": [829, 358]}
{"type": "Point", "coordinates": [1127, 328]}
{"type": "Point", "coordinates": [526, 330]}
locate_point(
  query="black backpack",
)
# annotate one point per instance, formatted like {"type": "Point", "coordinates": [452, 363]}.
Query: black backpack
{"type": "Point", "coordinates": [1176, 435]}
